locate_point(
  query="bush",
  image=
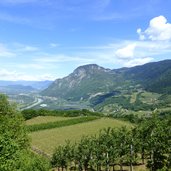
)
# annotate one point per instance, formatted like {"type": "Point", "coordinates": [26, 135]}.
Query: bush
{"type": "Point", "coordinates": [30, 161]}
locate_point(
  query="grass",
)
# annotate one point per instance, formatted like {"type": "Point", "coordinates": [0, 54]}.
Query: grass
{"type": "Point", "coordinates": [47, 140]}
{"type": "Point", "coordinates": [46, 119]}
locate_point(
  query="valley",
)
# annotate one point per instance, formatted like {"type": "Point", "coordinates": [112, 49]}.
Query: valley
{"type": "Point", "coordinates": [115, 92]}
{"type": "Point", "coordinates": [88, 103]}
{"type": "Point", "coordinates": [85, 85]}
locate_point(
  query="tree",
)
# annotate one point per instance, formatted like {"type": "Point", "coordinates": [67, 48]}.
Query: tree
{"type": "Point", "coordinates": [59, 158]}
{"type": "Point", "coordinates": [13, 137]}
{"type": "Point", "coordinates": [155, 136]}
{"type": "Point", "coordinates": [123, 145]}
{"type": "Point", "coordinates": [15, 153]}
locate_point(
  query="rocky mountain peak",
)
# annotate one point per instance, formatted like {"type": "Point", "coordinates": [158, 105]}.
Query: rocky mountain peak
{"type": "Point", "coordinates": [90, 68]}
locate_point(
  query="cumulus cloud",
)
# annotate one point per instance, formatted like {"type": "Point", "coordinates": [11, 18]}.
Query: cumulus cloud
{"type": "Point", "coordinates": [126, 52]}
{"type": "Point", "coordinates": [159, 29]}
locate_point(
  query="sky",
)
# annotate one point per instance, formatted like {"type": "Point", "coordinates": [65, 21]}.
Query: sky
{"type": "Point", "coordinates": [48, 39]}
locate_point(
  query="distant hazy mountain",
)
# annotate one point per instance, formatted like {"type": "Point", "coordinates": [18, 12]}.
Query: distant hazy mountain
{"type": "Point", "coordinates": [91, 80]}
{"type": "Point", "coordinates": [40, 85]}
{"type": "Point", "coordinates": [16, 89]}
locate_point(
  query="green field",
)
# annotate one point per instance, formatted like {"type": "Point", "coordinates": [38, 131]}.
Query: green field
{"type": "Point", "coordinates": [46, 119]}
{"type": "Point", "coordinates": [149, 98]}
{"type": "Point", "coordinates": [47, 140]}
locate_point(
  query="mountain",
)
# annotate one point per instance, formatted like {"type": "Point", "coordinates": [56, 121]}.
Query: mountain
{"type": "Point", "coordinates": [39, 85]}
{"type": "Point", "coordinates": [85, 82]}
{"type": "Point", "coordinates": [16, 89]}
{"type": "Point", "coordinates": [92, 80]}
{"type": "Point", "coordinates": [154, 76]}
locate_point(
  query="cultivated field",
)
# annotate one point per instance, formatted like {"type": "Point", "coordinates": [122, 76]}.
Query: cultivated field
{"type": "Point", "coordinates": [46, 119]}
{"type": "Point", "coordinates": [47, 140]}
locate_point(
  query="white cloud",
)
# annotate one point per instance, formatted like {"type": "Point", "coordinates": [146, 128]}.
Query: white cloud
{"type": "Point", "coordinates": [16, 76]}
{"type": "Point", "coordinates": [137, 61]}
{"type": "Point", "coordinates": [29, 49]}
{"type": "Point", "coordinates": [126, 52]}
{"type": "Point", "coordinates": [14, 19]}
{"type": "Point", "coordinates": [60, 58]}
{"type": "Point", "coordinates": [25, 48]}
{"type": "Point", "coordinates": [31, 66]}
{"type": "Point", "coordinates": [53, 45]}
{"type": "Point", "coordinates": [159, 29]}
{"type": "Point", "coordinates": [4, 52]}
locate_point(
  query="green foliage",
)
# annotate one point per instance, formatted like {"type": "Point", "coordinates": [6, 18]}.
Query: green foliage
{"type": "Point", "coordinates": [62, 123]}
{"type": "Point", "coordinates": [13, 138]}
{"type": "Point", "coordinates": [30, 161]}
{"type": "Point", "coordinates": [14, 143]}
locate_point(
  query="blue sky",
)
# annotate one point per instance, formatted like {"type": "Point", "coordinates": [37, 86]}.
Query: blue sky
{"type": "Point", "coordinates": [48, 39]}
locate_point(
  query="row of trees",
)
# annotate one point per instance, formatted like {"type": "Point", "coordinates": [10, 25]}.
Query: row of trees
{"type": "Point", "coordinates": [31, 113]}
{"type": "Point", "coordinates": [149, 143]}
{"type": "Point", "coordinates": [58, 124]}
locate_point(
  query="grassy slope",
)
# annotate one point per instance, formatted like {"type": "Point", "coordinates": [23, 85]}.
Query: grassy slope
{"type": "Point", "coordinates": [46, 119]}
{"type": "Point", "coordinates": [47, 140]}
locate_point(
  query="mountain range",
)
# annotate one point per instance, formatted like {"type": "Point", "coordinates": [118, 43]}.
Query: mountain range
{"type": "Point", "coordinates": [91, 80]}
{"type": "Point", "coordinates": [15, 87]}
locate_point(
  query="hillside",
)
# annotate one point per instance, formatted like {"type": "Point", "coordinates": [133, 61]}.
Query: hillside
{"type": "Point", "coordinates": [91, 79]}
{"type": "Point", "coordinates": [154, 77]}
{"type": "Point", "coordinates": [134, 89]}
{"type": "Point", "coordinates": [85, 82]}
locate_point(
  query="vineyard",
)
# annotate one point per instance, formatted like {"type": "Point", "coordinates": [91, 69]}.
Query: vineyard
{"type": "Point", "coordinates": [104, 143]}
{"type": "Point", "coordinates": [47, 140]}
{"type": "Point", "coordinates": [83, 141]}
{"type": "Point", "coordinates": [145, 145]}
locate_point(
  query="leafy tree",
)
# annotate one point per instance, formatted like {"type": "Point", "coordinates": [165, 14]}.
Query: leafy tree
{"type": "Point", "coordinates": [30, 161]}
{"type": "Point", "coordinates": [13, 137]}
{"type": "Point", "coordinates": [155, 136]}
{"type": "Point", "coordinates": [59, 158]}
{"type": "Point", "coordinates": [15, 151]}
